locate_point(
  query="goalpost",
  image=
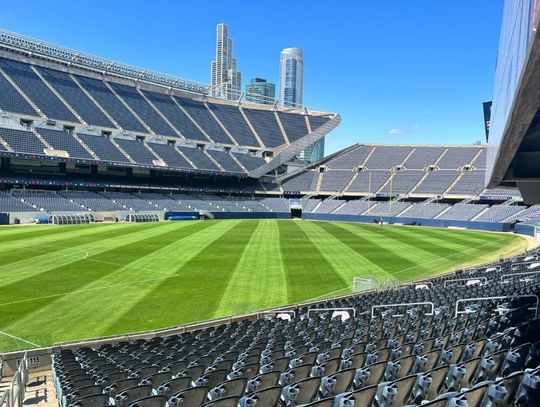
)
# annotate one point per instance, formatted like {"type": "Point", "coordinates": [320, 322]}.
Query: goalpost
{"type": "Point", "coordinates": [364, 284]}
{"type": "Point", "coordinates": [389, 203]}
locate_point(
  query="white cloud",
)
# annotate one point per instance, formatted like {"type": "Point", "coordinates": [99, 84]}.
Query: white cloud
{"type": "Point", "coordinates": [416, 127]}
{"type": "Point", "coordinates": [395, 132]}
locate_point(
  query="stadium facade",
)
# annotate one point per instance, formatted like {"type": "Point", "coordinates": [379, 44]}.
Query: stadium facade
{"type": "Point", "coordinates": [513, 136]}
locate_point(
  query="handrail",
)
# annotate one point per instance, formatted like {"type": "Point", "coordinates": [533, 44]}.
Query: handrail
{"type": "Point", "coordinates": [14, 395]}
{"type": "Point", "coordinates": [374, 307]}
{"type": "Point", "coordinates": [483, 278]}
{"type": "Point", "coordinates": [277, 312]}
{"type": "Point", "coordinates": [332, 309]}
{"type": "Point", "coordinates": [499, 297]}
{"type": "Point", "coordinates": [525, 273]}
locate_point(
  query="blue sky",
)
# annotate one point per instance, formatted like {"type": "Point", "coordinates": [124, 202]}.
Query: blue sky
{"type": "Point", "coordinates": [397, 71]}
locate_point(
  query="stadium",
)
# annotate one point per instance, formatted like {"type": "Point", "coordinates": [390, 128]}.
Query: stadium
{"type": "Point", "coordinates": [162, 245]}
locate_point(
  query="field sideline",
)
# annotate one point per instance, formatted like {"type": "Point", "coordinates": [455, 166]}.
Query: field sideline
{"type": "Point", "coordinates": [61, 283]}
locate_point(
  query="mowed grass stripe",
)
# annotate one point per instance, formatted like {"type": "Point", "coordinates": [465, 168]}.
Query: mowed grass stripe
{"type": "Point", "coordinates": [35, 246]}
{"type": "Point", "coordinates": [195, 291]}
{"type": "Point", "coordinates": [111, 295]}
{"type": "Point", "coordinates": [435, 260]}
{"type": "Point", "coordinates": [349, 263]}
{"type": "Point", "coordinates": [423, 258]}
{"type": "Point", "coordinates": [26, 296]}
{"type": "Point", "coordinates": [80, 249]}
{"type": "Point", "coordinates": [308, 273]}
{"type": "Point", "coordinates": [14, 233]}
{"type": "Point", "coordinates": [259, 279]}
{"type": "Point", "coordinates": [380, 251]}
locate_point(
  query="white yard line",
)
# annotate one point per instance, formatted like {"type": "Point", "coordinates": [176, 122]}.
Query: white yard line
{"type": "Point", "coordinates": [19, 339]}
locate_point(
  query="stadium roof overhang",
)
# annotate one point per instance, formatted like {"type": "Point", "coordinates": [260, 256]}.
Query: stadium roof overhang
{"type": "Point", "coordinates": [516, 157]}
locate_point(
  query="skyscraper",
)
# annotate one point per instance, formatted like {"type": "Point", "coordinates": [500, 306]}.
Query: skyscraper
{"type": "Point", "coordinates": [291, 93]}
{"type": "Point", "coordinates": [260, 91]}
{"type": "Point", "coordinates": [226, 79]}
{"type": "Point", "coordinates": [291, 78]}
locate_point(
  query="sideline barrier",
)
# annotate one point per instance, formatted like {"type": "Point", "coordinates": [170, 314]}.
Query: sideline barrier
{"type": "Point", "coordinates": [493, 227]}
{"type": "Point", "coordinates": [184, 215]}
{"type": "Point", "coordinates": [251, 215]}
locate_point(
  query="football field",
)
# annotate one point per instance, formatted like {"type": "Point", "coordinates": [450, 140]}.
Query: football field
{"type": "Point", "coordinates": [63, 283]}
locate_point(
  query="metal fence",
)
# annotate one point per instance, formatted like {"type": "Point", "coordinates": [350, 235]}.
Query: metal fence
{"type": "Point", "coordinates": [14, 395]}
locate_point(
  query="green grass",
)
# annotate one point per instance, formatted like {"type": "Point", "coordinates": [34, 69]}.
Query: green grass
{"type": "Point", "coordinates": [63, 283]}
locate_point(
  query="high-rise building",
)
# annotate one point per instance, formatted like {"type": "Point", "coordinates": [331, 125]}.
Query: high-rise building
{"type": "Point", "coordinates": [291, 78]}
{"type": "Point", "coordinates": [261, 91]}
{"type": "Point", "coordinates": [226, 79]}
{"type": "Point", "coordinates": [291, 93]}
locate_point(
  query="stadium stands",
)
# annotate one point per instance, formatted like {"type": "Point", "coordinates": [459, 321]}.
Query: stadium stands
{"type": "Point", "coordinates": [198, 111]}
{"type": "Point", "coordinates": [92, 201]}
{"type": "Point", "coordinates": [32, 85]}
{"type": "Point", "coordinates": [354, 207]}
{"type": "Point", "coordinates": [470, 183]}
{"type": "Point", "coordinates": [350, 159]}
{"type": "Point", "coordinates": [265, 124]}
{"type": "Point", "coordinates": [23, 141]}
{"type": "Point", "coordinates": [103, 148]}
{"type": "Point", "coordinates": [329, 206]}
{"type": "Point", "coordinates": [112, 105]}
{"type": "Point", "coordinates": [304, 181]}
{"type": "Point", "coordinates": [387, 157]}
{"type": "Point", "coordinates": [250, 162]}
{"type": "Point", "coordinates": [424, 211]}
{"type": "Point", "coordinates": [12, 101]}
{"type": "Point", "coordinates": [368, 181]}
{"type": "Point", "coordinates": [48, 201]}
{"type": "Point", "coordinates": [130, 201]}
{"type": "Point", "coordinates": [142, 109]}
{"type": "Point", "coordinates": [336, 181]}
{"type": "Point", "coordinates": [61, 140]}
{"type": "Point", "coordinates": [198, 158]}
{"type": "Point", "coordinates": [136, 150]}
{"type": "Point", "coordinates": [456, 157]}
{"type": "Point", "coordinates": [462, 211]}
{"type": "Point", "coordinates": [498, 213]}
{"type": "Point", "coordinates": [75, 97]}
{"type": "Point", "coordinates": [436, 182]}
{"type": "Point", "coordinates": [422, 356]}
{"type": "Point", "coordinates": [387, 208]}
{"type": "Point", "coordinates": [402, 182]}
{"type": "Point", "coordinates": [422, 157]}
{"type": "Point", "coordinates": [170, 155]}
{"type": "Point", "coordinates": [10, 203]}
{"type": "Point", "coordinates": [234, 122]}
{"type": "Point", "coordinates": [225, 160]}
{"type": "Point", "coordinates": [294, 125]}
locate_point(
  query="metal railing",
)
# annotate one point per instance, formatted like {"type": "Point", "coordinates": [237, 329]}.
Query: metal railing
{"type": "Point", "coordinates": [405, 304]}
{"type": "Point", "coordinates": [504, 277]}
{"type": "Point", "coordinates": [500, 297]}
{"type": "Point", "coordinates": [310, 310]}
{"type": "Point", "coordinates": [14, 395]}
{"type": "Point", "coordinates": [457, 280]}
